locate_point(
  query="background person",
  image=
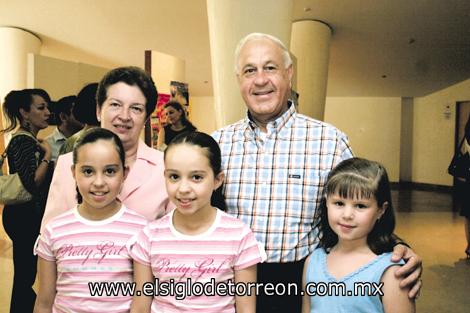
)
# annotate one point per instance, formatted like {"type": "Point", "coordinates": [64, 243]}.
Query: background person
{"type": "Point", "coordinates": [463, 189]}
{"type": "Point", "coordinates": [30, 158]}
{"type": "Point", "coordinates": [67, 124]}
{"type": "Point", "coordinates": [176, 123]}
{"type": "Point", "coordinates": [126, 97]}
{"type": "Point", "coordinates": [84, 111]}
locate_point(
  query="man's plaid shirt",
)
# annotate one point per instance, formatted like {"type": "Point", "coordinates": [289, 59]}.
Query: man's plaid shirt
{"type": "Point", "coordinates": [275, 184]}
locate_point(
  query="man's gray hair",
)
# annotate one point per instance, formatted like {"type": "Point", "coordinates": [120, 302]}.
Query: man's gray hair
{"type": "Point", "coordinates": [285, 53]}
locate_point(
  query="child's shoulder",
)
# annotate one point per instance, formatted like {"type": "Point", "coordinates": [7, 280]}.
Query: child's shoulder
{"type": "Point", "coordinates": [62, 219]}
{"type": "Point", "coordinates": [318, 251]}
{"type": "Point", "coordinates": [317, 255]}
{"type": "Point", "coordinates": [383, 264]}
{"type": "Point", "coordinates": [230, 221]}
{"type": "Point", "coordinates": [385, 260]}
{"type": "Point", "coordinates": [131, 215]}
{"type": "Point", "coordinates": [162, 222]}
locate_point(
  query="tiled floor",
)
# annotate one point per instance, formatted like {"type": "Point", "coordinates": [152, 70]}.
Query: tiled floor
{"type": "Point", "coordinates": [425, 221]}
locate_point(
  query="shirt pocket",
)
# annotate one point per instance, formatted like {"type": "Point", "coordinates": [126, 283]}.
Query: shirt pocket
{"type": "Point", "coordinates": [303, 192]}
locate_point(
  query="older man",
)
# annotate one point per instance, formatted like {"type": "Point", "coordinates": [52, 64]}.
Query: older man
{"type": "Point", "coordinates": [276, 162]}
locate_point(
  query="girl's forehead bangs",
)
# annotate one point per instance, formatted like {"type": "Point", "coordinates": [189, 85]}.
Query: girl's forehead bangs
{"type": "Point", "coordinates": [352, 186]}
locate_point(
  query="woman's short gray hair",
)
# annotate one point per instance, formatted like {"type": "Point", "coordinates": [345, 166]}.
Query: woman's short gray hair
{"type": "Point", "coordinates": [285, 53]}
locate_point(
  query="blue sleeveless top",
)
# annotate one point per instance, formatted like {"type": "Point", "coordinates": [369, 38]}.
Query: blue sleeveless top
{"type": "Point", "coordinates": [366, 280]}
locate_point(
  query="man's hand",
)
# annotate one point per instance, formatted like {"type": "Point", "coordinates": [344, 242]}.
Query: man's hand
{"type": "Point", "coordinates": [410, 273]}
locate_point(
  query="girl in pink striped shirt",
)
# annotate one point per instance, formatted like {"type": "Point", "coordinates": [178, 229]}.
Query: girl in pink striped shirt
{"type": "Point", "coordinates": [196, 258]}
{"type": "Point", "coordinates": [82, 253]}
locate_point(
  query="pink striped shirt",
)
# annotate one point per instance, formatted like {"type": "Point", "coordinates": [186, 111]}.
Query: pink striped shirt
{"type": "Point", "coordinates": [90, 251]}
{"type": "Point", "coordinates": [209, 258]}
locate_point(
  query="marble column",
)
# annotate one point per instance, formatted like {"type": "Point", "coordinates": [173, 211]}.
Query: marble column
{"type": "Point", "coordinates": [310, 43]}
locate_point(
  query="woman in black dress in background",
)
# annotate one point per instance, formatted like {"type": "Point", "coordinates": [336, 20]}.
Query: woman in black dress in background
{"type": "Point", "coordinates": [464, 190]}
{"type": "Point", "coordinates": [30, 158]}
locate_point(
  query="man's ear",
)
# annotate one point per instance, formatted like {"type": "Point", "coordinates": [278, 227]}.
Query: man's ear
{"type": "Point", "coordinates": [238, 73]}
{"type": "Point", "coordinates": [63, 117]}
{"type": "Point", "coordinates": [290, 73]}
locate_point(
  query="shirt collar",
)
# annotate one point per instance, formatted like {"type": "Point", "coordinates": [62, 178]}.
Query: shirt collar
{"type": "Point", "coordinates": [146, 153]}
{"type": "Point", "coordinates": [57, 135]}
{"type": "Point", "coordinates": [276, 125]}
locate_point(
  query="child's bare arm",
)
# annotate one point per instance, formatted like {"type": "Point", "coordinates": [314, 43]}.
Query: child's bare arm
{"type": "Point", "coordinates": [47, 286]}
{"type": "Point", "coordinates": [142, 274]}
{"type": "Point", "coordinates": [305, 297]}
{"type": "Point", "coordinates": [246, 304]}
{"type": "Point", "coordinates": [395, 299]}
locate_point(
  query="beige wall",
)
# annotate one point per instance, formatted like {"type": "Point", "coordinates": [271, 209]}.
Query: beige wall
{"type": "Point", "coordinates": [203, 113]}
{"type": "Point", "coordinates": [60, 78]}
{"type": "Point", "coordinates": [372, 126]}
{"type": "Point", "coordinates": [433, 134]}
{"type": "Point", "coordinates": [88, 73]}
{"type": "Point", "coordinates": [166, 68]}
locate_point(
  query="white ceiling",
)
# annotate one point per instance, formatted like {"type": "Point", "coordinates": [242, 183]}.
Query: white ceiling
{"type": "Point", "coordinates": [371, 38]}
